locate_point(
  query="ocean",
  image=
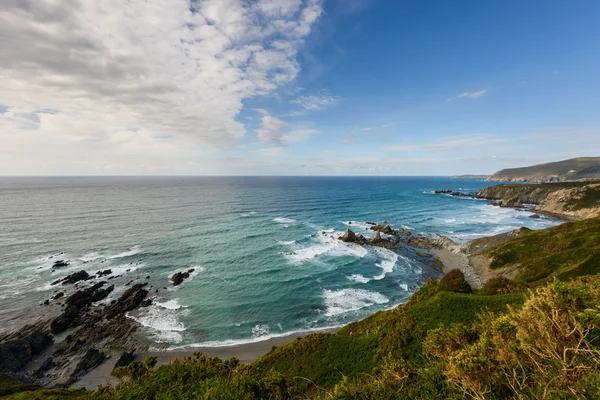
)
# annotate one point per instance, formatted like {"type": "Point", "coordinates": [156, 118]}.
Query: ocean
{"type": "Point", "coordinates": [264, 250]}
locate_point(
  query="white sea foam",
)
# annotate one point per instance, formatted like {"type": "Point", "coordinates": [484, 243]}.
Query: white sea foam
{"type": "Point", "coordinates": [281, 220]}
{"type": "Point", "coordinates": [359, 278]}
{"type": "Point", "coordinates": [91, 257]}
{"type": "Point", "coordinates": [403, 286]}
{"type": "Point", "coordinates": [248, 214]}
{"type": "Point", "coordinates": [389, 260]}
{"type": "Point", "coordinates": [345, 300]}
{"type": "Point", "coordinates": [237, 342]}
{"type": "Point", "coordinates": [172, 304]}
{"type": "Point", "coordinates": [286, 243]}
{"type": "Point", "coordinates": [162, 323]}
{"type": "Point", "coordinates": [260, 330]}
{"type": "Point", "coordinates": [128, 253]}
{"type": "Point", "coordinates": [330, 246]}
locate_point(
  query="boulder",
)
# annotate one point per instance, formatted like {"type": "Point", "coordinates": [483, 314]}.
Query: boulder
{"type": "Point", "coordinates": [75, 277]}
{"type": "Point", "coordinates": [384, 228]}
{"type": "Point", "coordinates": [104, 273]}
{"type": "Point", "coordinates": [179, 277]}
{"type": "Point", "coordinates": [349, 236]}
{"type": "Point", "coordinates": [536, 216]}
{"type": "Point", "coordinates": [124, 360]}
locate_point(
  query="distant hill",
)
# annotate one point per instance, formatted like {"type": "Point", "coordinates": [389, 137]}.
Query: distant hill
{"type": "Point", "coordinates": [575, 169]}
{"type": "Point", "coordinates": [469, 176]}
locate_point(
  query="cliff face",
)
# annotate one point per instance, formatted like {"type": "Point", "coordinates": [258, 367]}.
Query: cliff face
{"type": "Point", "coordinates": [528, 194]}
{"type": "Point", "coordinates": [577, 203]}
{"type": "Point", "coordinates": [575, 169]}
{"type": "Point", "coordinates": [569, 200]}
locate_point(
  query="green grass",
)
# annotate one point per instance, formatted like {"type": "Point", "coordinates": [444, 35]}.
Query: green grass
{"type": "Point", "coordinates": [12, 389]}
{"type": "Point", "coordinates": [321, 359]}
{"type": "Point", "coordinates": [564, 251]}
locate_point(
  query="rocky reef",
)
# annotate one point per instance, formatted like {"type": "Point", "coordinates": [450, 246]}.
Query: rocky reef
{"type": "Point", "coordinates": [92, 332]}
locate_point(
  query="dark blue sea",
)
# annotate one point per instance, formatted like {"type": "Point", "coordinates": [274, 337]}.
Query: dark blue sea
{"type": "Point", "coordinates": [264, 250]}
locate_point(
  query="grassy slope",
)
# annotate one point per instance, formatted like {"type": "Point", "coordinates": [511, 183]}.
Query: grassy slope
{"type": "Point", "coordinates": [563, 251]}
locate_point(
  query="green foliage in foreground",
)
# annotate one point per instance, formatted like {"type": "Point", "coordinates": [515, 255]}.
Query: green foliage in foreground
{"type": "Point", "coordinates": [10, 388]}
{"type": "Point", "coordinates": [564, 251]}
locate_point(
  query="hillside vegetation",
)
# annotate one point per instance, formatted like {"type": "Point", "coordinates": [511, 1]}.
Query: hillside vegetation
{"type": "Point", "coordinates": [537, 336]}
{"type": "Point", "coordinates": [582, 168]}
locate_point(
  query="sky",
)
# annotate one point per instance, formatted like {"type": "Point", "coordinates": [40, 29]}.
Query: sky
{"type": "Point", "coordinates": [296, 87]}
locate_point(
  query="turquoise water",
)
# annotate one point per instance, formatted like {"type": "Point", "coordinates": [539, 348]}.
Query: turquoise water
{"type": "Point", "coordinates": [264, 249]}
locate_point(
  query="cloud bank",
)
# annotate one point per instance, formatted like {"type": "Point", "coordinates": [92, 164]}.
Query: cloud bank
{"type": "Point", "coordinates": [113, 71]}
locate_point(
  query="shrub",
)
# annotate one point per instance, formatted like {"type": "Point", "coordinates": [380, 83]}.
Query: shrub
{"type": "Point", "coordinates": [454, 281]}
{"type": "Point", "coordinates": [500, 285]}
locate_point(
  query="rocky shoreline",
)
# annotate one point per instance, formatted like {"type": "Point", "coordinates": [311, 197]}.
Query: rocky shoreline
{"type": "Point", "coordinates": [568, 201]}
{"type": "Point", "coordinates": [79, 332]}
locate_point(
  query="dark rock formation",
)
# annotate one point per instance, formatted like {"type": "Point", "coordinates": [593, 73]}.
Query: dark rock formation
{"type": "Point", "coordinates": [58, 295]}
{"type": "Point", "coordinates": [146, 303]}
{"type": "Point", "coordinates": [15, 354]}
{"type": "Point", "coordinates": [130, 300]}
{"type": "Point", "coordinates": [76, 303]}
{"type": "Point", "coordinates": [124, 360]}
{"type": "Point", "coordinates": [104, 273]}
{"type": "Point", "coordinates": [90, 360]}
{"type": "Point", "coordinates": [534, 216]}
{"type": "Point", "coordinates": [60, 264]}
{"type": "Point", "coordinates": [384, 228]}
{"type": "Point", "coordinates": [75, 277]}
{"type": "Point", "coordinates": [179, 277]}
{"type": "Point", "coordinates": [348, 236]}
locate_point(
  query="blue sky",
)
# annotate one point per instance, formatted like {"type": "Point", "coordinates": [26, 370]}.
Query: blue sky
{"type": "Point", "coordinates": [297, 87]}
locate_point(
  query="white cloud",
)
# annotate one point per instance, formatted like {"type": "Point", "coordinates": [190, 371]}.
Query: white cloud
{"type": "Point", "coordinates": [348, 139]}
{"type": "Point", "coordinates": [315, 102]}
{"type": "Point", "coordinates": [109, 68]}
{"type": "Point", "coordinates": [470, 95]}
{"type": "Point", "coordinates": [273, 131]}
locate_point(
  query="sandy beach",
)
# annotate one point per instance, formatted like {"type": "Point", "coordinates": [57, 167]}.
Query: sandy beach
{"type": "Point", "coordinates": [246, 353]}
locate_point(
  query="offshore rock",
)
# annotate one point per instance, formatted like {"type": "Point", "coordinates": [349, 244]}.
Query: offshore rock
{"type": "Point", "coordinates": [60, 264]}
{"type": "Point", "coordinates": [179, 277]}
{"type": "Point", "coordinates": [349, 236]}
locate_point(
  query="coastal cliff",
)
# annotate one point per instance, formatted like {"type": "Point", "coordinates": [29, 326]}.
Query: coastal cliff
{"type": "Point", "coordinates": [569, 200]}
{"type": "Point", "coordinates": [575, 169]}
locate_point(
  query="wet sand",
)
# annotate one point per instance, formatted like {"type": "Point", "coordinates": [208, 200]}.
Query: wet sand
{"type": "Point", "coordinates": [246, 352]}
